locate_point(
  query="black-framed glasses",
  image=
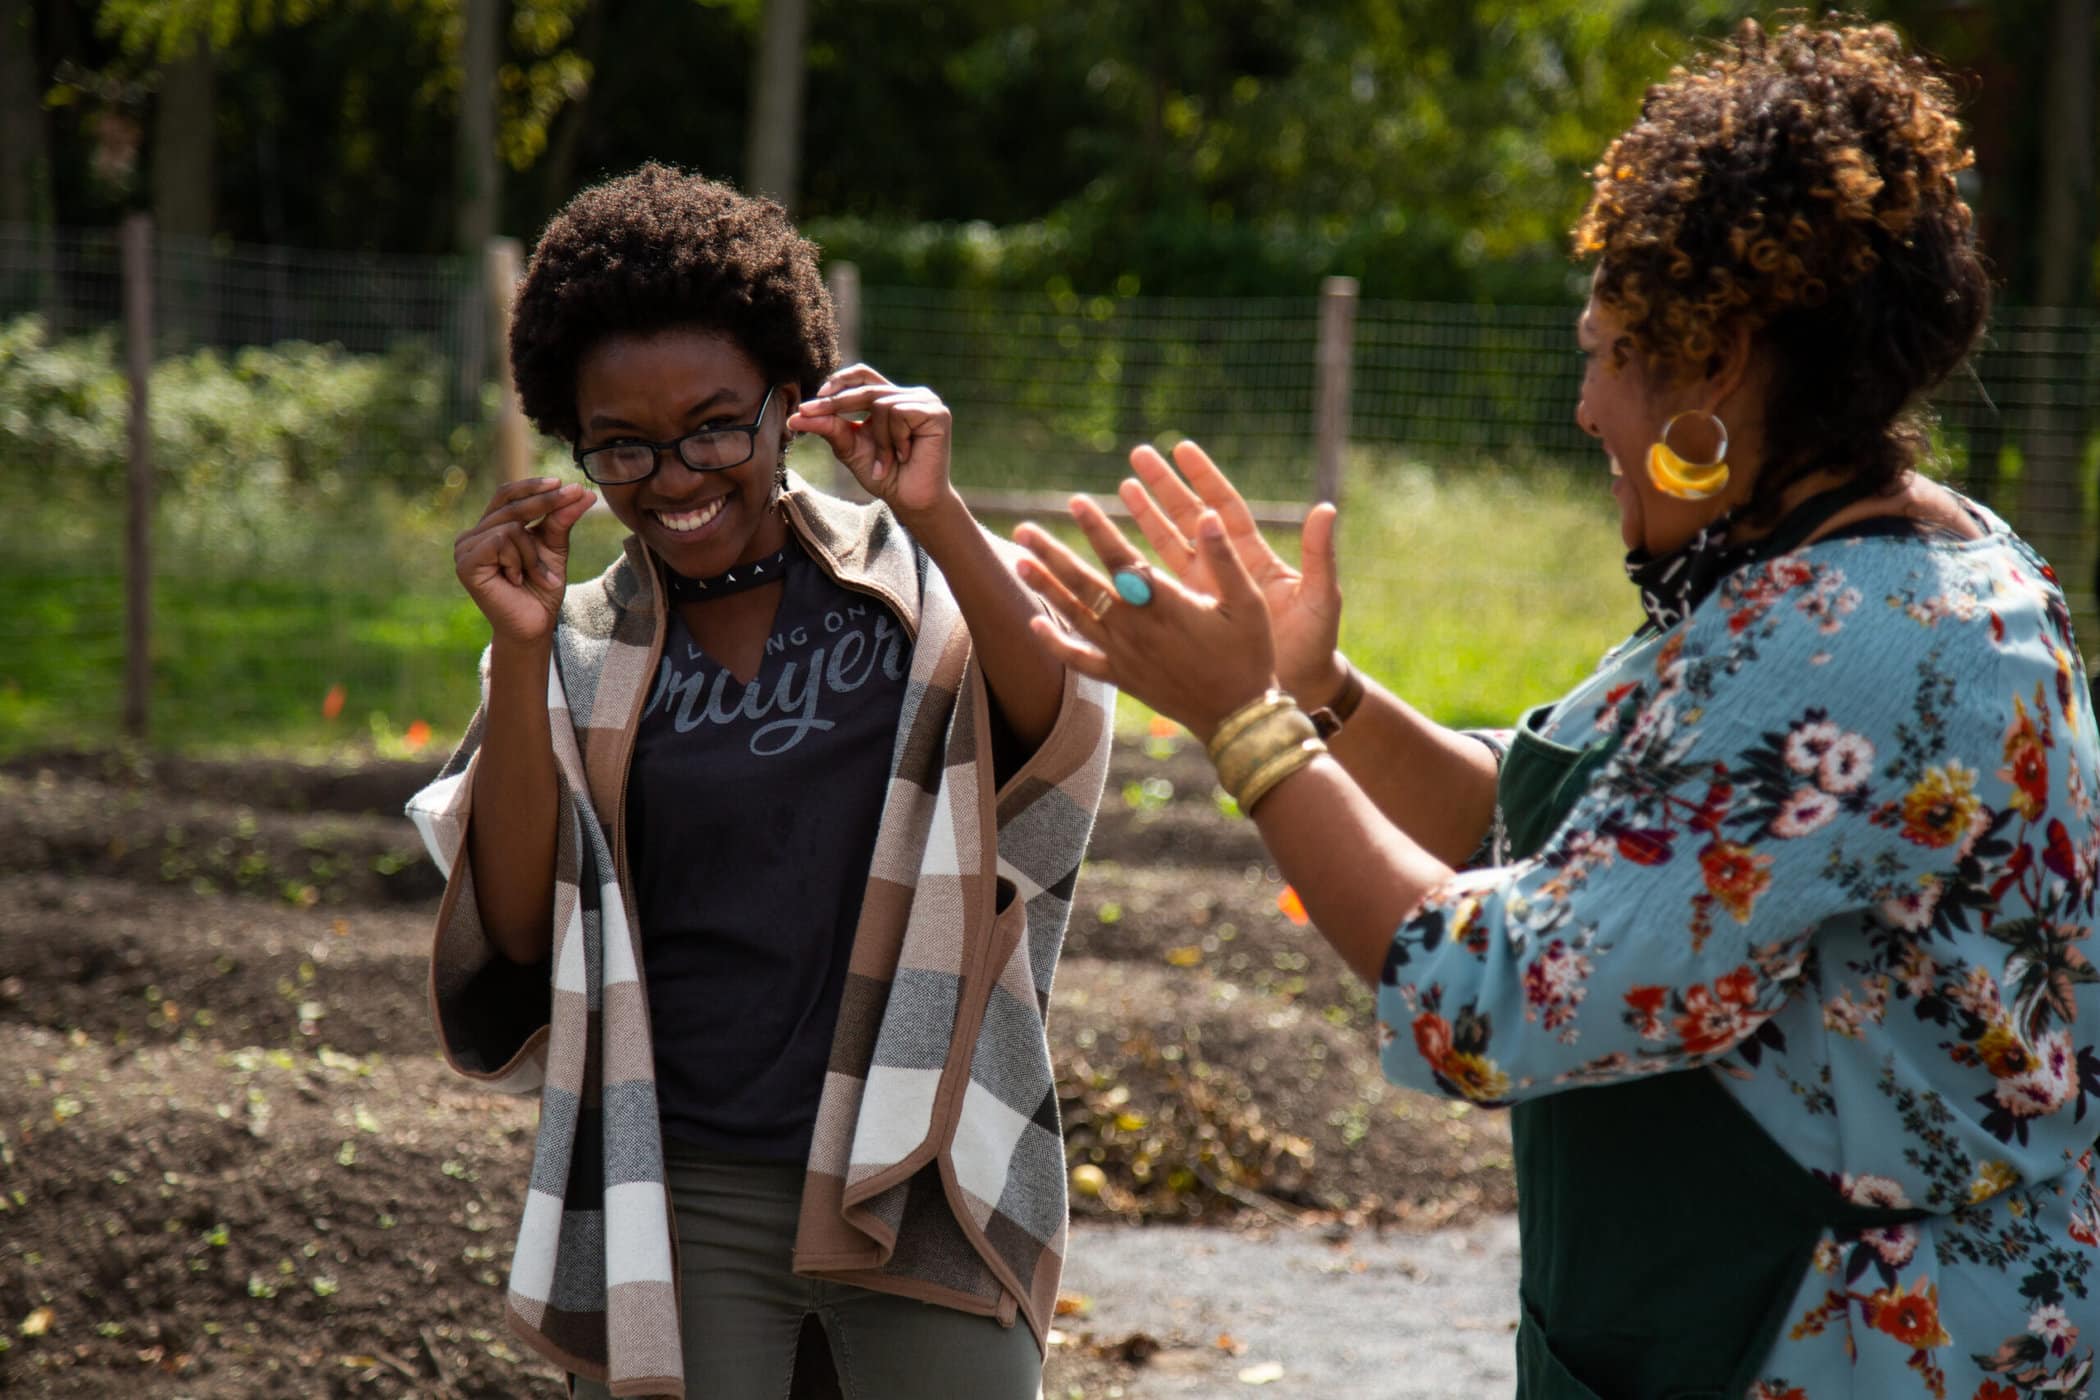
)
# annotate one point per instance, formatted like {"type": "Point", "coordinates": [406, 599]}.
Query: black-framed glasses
{"type": "Point", "coordinates": [708, 450]}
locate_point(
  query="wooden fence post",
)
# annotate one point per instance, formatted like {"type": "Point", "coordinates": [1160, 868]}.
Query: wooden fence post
{"type": "Point", "coordinates": [513, 440]}
{"type": "Point", "coordinates": [1337, 337]}
{"type": "Point", "coordinates": [843, 279]}
{"type": "Point", "coordinates": [138, 571]}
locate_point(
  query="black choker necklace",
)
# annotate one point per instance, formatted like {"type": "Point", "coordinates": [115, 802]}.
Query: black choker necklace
{"type": "Point", "coordinates": [759, 572]}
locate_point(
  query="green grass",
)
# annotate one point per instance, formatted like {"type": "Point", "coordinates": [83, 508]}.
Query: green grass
{"type": "Point", "coordinates": [1473, 593]}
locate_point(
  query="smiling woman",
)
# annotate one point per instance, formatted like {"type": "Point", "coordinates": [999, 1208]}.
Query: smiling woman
{"type": "Point", "coordinates": [760, 847]}
{"type": "Point", "coordinates": [1774, 931]}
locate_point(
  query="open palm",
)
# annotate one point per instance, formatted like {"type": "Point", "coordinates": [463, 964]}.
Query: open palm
{"type": "Point", "coordinates": [1305, 603]}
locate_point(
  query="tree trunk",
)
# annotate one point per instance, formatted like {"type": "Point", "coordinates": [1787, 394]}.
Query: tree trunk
{"type": "Point", "coordinates": [475, 194]}
{"type": "Point", "coordinates": [182, 147]}
{"type": "Point", "coordinates": [773, 149]}
{"type": "Point", "coordinates": [2064, 240]}
{"type": "Point", "coordinates": [557, 172]}
{"type": "Point", "coordinates": [22, 147]}
{"type": "Point", "coordinates": [2053, 504]}
{"type": "Point", "coordinates": [183, 129]}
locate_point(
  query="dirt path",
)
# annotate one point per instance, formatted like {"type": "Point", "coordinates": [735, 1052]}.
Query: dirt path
{"type": "Point", "coordinates": [1299, 1312]}
{"type": "Point", "coordinates": [231, 1166]}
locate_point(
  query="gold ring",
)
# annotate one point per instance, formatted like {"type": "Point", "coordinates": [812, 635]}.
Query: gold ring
{"type": "Point", "coordinates": [1102, 603]}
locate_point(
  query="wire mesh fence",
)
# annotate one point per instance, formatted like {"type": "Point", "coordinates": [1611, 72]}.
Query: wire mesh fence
{"type": "Point", "coordinates": [320, 428]}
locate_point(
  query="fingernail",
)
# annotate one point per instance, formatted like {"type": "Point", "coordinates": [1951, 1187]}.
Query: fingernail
{"type": "Point", "coordinates": [1213, 528]}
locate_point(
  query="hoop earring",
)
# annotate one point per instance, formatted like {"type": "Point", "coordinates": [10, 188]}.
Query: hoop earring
{"type": "Point", "coordinates": [1673, 475]}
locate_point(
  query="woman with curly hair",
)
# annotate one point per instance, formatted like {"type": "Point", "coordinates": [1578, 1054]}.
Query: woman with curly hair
{"type": "Point", "coordinates": [1778, 939]}
{"type": "Point", "coordinates": [760, 847]}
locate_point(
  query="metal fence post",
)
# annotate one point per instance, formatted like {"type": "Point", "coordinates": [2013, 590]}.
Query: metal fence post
{"type": "Point", "coordinates": [513, 440]}
{"type": "Point", "coordinates": [138, 575]}
{"type": "Point", "coordinates": [1337, 336]}
{"type": "Point", "coordinates": [843, 279]}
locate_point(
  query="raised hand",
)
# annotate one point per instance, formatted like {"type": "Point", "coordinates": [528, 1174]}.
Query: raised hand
{"type": "Point", "coordinates": [1193, 656]}
{"type": "Point", "coordinates": [1305, 604]}
{"type": "Point", "coordinates": [514, 561]}
{"type": "Point", "coordinates": [899, 452]}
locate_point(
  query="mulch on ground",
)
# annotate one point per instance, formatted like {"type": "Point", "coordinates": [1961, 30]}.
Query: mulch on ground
{"type": "Point", "coordinates": [231, 1165]}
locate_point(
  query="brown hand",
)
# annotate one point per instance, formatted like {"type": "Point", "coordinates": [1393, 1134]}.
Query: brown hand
{"type": "Point", "coordinates": [1193, 656]}
{"type": "Point", "coordinates": [514, 561]}
{"type": "Point", "coordinates": [899, 452]}
{"type": "Point", "coordinates": [1305, 605]}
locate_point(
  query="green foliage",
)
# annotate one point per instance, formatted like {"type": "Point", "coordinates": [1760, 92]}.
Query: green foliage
{"type": "Point", "coordinates": [1087, 249]}
{"type": "Point", "coordinates": [1228, 147]}
{"type": "Point", "coordinates": [1472, 593]}
{"type": "Point", "coordinates": [249, 425]}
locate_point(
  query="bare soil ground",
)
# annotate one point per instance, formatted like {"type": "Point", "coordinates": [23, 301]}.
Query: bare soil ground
{"type": "Point", "coordinates": [232, 1166]}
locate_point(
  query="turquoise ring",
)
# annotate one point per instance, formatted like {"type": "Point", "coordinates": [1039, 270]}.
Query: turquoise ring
{"type": "Point", "coordinates": [1132, 587]}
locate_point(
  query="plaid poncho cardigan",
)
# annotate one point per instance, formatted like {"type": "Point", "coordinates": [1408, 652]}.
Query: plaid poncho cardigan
{"type": "Point", "coordinates": [937, 1169]}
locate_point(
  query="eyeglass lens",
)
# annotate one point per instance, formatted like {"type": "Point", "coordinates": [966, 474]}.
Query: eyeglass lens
{"type": "Point", "coordinates": [703, 452]}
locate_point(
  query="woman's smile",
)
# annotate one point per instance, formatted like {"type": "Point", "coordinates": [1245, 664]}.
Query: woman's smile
{"type": "Point", "coordinates": [689, 520]}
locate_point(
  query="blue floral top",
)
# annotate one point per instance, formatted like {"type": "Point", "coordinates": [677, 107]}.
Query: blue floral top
{"type": "Point", "coordinates": [1844, 857]}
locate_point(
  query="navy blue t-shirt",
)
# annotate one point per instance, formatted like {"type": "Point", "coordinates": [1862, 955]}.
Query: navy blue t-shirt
{"type": "Point", "coordinates": [751, 819]}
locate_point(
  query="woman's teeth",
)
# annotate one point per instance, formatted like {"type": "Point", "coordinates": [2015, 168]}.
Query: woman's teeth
{"type": "Point", "coordinates": [685, 522]}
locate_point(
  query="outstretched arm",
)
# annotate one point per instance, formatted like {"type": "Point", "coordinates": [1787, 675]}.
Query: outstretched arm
{"type": "Point", "coordinates": [1436, 784]}
{"type": "Point", "coordinates": [1198, 659]}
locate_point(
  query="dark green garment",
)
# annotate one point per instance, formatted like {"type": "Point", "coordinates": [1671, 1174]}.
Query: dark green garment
{"type": "Point", "coordinates": [1664, 1234]}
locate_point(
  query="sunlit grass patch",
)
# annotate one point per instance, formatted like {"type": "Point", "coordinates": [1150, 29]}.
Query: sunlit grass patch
{"type": "Point", "coordinates": [1472, 592]}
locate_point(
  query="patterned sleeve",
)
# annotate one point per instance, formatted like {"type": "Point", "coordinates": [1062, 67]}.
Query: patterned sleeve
{"type": "Point", "coordinates": [1768, 777]}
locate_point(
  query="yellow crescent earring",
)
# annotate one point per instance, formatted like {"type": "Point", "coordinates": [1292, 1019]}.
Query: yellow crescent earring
{"type": "Point", "coordinates": [1688, 480]}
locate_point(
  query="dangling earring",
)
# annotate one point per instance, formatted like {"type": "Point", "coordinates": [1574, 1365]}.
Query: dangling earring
{"type": "Point", "coordinates": [780, 468]}
{"type": "Point", "coordinates": [1674, 475]}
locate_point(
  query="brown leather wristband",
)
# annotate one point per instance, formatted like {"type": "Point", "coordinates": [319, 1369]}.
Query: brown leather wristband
{"type": "Point", "coordinates": [1336, 712]}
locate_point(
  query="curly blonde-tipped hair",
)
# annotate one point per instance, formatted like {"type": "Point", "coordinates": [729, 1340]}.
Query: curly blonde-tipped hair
{"type": "Point", "coordinates": [1799, 184]}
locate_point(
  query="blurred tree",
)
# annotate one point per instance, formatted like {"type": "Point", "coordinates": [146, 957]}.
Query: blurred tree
{"type": "Point", "coordinates": [773, 132]}
{"type": "Point", "coordinates": [24, 152]}
{"type": "Point", "coordinates": [1233, 145]}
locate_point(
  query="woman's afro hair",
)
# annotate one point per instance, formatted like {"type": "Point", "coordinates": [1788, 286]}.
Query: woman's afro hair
{"type": "Point", "coordinates": [1799, 184]}
{"type": "Point", "coordinates": [659, 249]}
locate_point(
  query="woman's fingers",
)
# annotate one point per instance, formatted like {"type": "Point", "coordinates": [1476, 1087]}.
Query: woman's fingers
{"type": "Point", "coordinates": [554, 532]}
{"type": "Point", "coordinates": [902, 415]}
{"type": "Point", "coordinates": [895, 417]}
{"type": "Point", "coordinates": [1317, 555]}
{"type": "Point", "coordinates": [524, 501]}
{"type": "Point", "coordinates": [1180, 504]}
{"type": "Point", "coordinates": [1236, 587]}
{"type": "Point", "coordinates": [513, 555]}
{"type": "Point", "coordinates": [1114, 551]}
{"type": "Point", "coordinates": [849, 377]}
{"type": "Point", "coordinates": [838, 433]}
{"type": "Point", "coordinates": [1161, 533]}
{"type": "Point", "coordinates": [1219, 494]}
{"type": "Point", "coordinates": [867, 398]}
{"type": "Point", "coordinates": [1062, 577]}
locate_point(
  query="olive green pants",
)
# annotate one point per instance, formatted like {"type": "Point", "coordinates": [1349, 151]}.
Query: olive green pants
{"type": "Point", "coordinates": [743, 1306]}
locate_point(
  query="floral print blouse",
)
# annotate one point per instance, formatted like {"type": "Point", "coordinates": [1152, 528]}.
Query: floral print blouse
{"type": "Point", "coordinates": [1842, 857]}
